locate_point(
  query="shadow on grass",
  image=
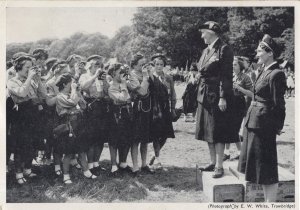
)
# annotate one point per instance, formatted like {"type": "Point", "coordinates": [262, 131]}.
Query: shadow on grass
{"type": "Point", "coordinates": [49, 188]}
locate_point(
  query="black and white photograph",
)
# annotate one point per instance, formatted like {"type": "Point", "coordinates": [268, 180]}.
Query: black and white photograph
{"type": "Point", "coordinates": [150, 103]}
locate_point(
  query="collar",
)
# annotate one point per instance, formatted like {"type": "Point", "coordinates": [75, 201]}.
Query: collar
{"type": "Point", "coordinates": [267, 67]}
{"type": "Point", "coordinates": [210, 46]}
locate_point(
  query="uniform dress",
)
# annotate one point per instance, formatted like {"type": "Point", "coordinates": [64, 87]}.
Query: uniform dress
{"type": "Point", "coordinates": [142, 108]}
{"type": "Point", "coordinates": [265, 116]}
{"type": "Point", "coordinates": [69, 113]}
{"type": "Point", "coordinates": [190, 96]}
{"type": "Point", "coordinates": [52, 118]}
{"type": "Point", "coordinates": [122, 125]}
{"type": "Point", "coordinates": [25, 117]}
{"type": "Point", "coordinates": [163, 100]}
{"type": "Point", "coordinates": [244, 81]}
{"type": "Point", "coordinates": [98, 113]}
{"type": "Point", "coordinates": [216, 74]}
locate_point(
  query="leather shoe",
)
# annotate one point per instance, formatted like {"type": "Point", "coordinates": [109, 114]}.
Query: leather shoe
{"type": "Point", "coordinates": [147, 169]}
{"type": "Point", "coordinates": [226, 157]}
{"type": "Point", "coordinates": [218, 173]}
{"type": "Point", "coordinates": [210, 167]}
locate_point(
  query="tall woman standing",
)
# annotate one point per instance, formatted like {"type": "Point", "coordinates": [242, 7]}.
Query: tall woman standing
{"type": "Point", "coordinates": [164, 101]}
{"type": "Point", "coordinates": [26, 91]}
{"type": "Point", "coordinates": [264, 120]}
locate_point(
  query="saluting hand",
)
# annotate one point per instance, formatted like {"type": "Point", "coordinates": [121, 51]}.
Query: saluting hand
{"type": "Point", "coordinates": [222, 104]}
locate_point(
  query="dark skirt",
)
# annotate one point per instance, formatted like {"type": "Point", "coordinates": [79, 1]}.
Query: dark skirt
{"type": "Point", "coordinates": [122, 126]}
{"type": "Point", "coordinates": [239, 113]}
{"type": "Point", "coordinates": [190, 98]}
{"type": "Point", "coordinates": [10, 119]}
{"type": "Point", "coordinates": [98, 120]}
{"type": "Point", "coordinates": [142, 116]}
{"type": "Point", "coordinates": [213, 125]}
{"type": "Point", "coordinates": [66, 144]}
{"type": "Point", "coordinates": [258, 158]}
{"type": "Point", "coordinates": [23, 129]}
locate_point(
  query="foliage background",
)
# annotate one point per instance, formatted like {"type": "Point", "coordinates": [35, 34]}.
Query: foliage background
{"type": "Point", "coordinates": [175, 29]}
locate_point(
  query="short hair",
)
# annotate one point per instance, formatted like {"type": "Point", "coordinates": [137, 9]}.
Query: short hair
{"type": "Point", "coordinates": [19, 62]}
{"type": "Point", "coordinates": [40, 53]}
{"type": "Point", "coordinates": [62, 80]}
{"type": "Point", "coordinates": [113, 68]}
{"type": "Point", "coordinates": [240, 62]}
{"type": "Point", "coordinates": [134, 61]}
{"type": "Point", "coordinates": [159, 56]}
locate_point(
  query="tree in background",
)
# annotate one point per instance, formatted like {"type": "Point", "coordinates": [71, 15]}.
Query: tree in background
{"type": "Point", "coordinates": [175, 29]}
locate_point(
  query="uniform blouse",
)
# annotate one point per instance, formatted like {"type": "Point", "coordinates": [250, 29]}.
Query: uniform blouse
{"type": "Point", "coordinates": [20, 93]}
{"type": "Point", "coordinates": [244, 81]}
{"type": "Point", "coordinates": [169, 83]}
{"type": "Point", "coordinates": [137, 85]}
{"type": "Point", "coordinates": [118, 92]}
{"type": "Point", "coordinates": [98, 89]}
{"type": "Point", "coordinates": [66, 104]}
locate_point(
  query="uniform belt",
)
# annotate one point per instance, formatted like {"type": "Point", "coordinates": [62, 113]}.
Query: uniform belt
{"type": "Point", "coordinates": [259, 104]}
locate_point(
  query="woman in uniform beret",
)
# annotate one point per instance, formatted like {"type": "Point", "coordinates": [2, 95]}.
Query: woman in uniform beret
{"type": "Point", "coordinates": [264, 120]}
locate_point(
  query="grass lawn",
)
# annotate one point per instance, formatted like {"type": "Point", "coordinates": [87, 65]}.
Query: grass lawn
{"type": "Point", "coordinates": [176, 183]}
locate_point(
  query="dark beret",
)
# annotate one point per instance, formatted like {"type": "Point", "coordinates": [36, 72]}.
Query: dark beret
{"type": "Point", "coordinates": [22, 58]}
{"type": "Point", "coordinates": [18, 54]}
{"type": "Point", "coordinates": [51, 61]}
{"type": "Point", "coordinates": [73, 56]}
{"type": "Point", "coordinates": [270, 43]}
{"type": "Point", "coordinates": [40, 52]}
{"type": "Point", "coordinates": [158, 55]}
{"type": "Point", "coordinates": [212, 26]}
{"type": "Point", "coordinates": [55, 65]}
{"type": "Point", "coordinates": [92, 57]}
{"type": "Point", "coordinates": [113, 68]}
{"type": "Point", "coordinates": [63, 79]}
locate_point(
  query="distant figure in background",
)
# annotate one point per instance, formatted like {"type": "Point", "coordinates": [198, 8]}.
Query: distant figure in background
{"type": "Point", "coordinates": [242, 86]}
{"type": "Point", "coordinates": [264, 120]}
{"type": "Point", "coordinates": [290, 83]}
{"type": "Point", "coordinates": [189, 96]}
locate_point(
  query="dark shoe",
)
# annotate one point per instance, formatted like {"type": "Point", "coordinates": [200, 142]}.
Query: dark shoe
{"type": "Point", "coordinates": [218, 173]}
{"type": "Point", "coordinates": [96, 171]}
{"type": "Point", "coordinates": [226, 157]}
{"type": "Point", "coordinates": [210, 167]}
{"type": "Point", "coordinates": [114, 174]}
{"type": "Point", "coordinates": [127, 169]}
{"type": "Point", "coordinates": [147, 169]}
{"type": "Point", "coordinates": [135, 174]}
{"type": "Point", "coordinates": [152, 161]}
{"type": "Point", "coordinates": [235, 157]}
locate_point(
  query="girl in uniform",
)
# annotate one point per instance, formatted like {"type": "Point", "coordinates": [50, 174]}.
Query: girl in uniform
{"type": "Point", "coordinates": [164, 101]}
{"type": "Point", "coordinates": [26, 91]}
{"type": "Point", "coordinates": [69, 131]}
{"type": "Point", "coordinates": [94, 87]}
{"type": "Point", "coordinates": [121, 127]}
{"type": "Point", "coordinates": [138, 85]}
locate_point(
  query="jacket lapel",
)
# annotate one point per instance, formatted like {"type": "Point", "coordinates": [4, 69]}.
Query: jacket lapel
{"type": "Point", "coordinates": [211, 52]}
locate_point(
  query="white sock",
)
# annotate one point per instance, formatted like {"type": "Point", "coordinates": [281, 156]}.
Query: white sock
{"type": "Point", "coordinates": [27, 171]}
{"type": "Point", "coordinates": [19, 175]}
{"type": "Point", "coordinates": [73, 162]}
{"type": "Point", "coordinates": [57, 168]}
{"type": "Point", "coordinates": [123, 165]}
{"type": "Point", "coordinates": [96, 164]}
{"type": "Point", "coordinates": [114, 168]}
{"type": "Point", "coordinates": [90, 165]}
{"type": "Point", "coordinates": [66, 176]}
{"type": "Point", "coordinates": [87, 173]}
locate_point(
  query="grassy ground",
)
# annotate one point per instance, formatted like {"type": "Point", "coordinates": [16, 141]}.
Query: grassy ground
{"type": "Point", "coordinates": [176, 183]}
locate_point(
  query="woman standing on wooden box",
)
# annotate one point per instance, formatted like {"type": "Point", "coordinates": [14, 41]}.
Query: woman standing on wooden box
{"type": "Point", "coordinates": [264, 120]}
